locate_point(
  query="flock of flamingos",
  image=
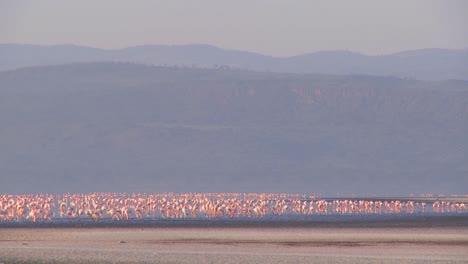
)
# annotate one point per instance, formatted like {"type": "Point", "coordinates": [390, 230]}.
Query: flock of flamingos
{"type": "Point", "coordinates": [125, 207]}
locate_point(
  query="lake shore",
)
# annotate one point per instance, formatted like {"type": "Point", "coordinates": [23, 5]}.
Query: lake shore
{"type": "Point", "coordinates": [235, 245]}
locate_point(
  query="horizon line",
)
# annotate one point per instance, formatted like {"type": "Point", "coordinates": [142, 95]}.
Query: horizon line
{"type": "Point", "coordinates": [235, 50]}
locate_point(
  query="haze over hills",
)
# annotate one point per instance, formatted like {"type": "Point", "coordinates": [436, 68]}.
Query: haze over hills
{"type": "Point", "coordinates": [425, 64]}
{"type": "Point", "coordinates": [128, 127]}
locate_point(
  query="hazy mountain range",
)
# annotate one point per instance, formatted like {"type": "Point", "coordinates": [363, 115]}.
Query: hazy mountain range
{"type": "Point", "coordinates": [425, 64]}
{"type": "Point", "coordinates": [128, 127]}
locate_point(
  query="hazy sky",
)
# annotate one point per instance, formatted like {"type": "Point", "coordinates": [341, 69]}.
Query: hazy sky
{"type": "Point", "coordinates": [270, 27]}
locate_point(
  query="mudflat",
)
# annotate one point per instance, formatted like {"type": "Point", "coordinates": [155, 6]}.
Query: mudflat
{"type": "Point", "coordinates": [234, 245]}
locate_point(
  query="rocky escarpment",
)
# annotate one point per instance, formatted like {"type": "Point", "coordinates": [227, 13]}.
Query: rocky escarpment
{"type": "Point", "coordinates": [128, 127]}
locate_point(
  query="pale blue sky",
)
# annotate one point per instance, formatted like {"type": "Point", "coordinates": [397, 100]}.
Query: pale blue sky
{"type": "Point", "coordinates": [279, 28]}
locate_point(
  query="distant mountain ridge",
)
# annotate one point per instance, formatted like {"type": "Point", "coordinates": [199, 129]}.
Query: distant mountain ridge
{"type": "Point", "coordinates": [424, 64]}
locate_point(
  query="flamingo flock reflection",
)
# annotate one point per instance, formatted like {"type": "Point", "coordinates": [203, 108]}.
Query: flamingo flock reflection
{"type": "Point", "coordinates": [125, 207]}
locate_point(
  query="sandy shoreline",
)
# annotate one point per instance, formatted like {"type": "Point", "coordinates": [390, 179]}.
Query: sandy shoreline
{"type": "Point", "coordinates": [234, 245]}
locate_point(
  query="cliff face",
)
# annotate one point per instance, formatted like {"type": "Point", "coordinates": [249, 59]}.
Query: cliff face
{"type": "Point", "coordinates": [126, 127]}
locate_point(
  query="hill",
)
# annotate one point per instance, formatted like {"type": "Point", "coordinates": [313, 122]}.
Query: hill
{"type": "Point", "coordinates": [128, 127]}
{"type": "Point", "coordinates": [425, 64]}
